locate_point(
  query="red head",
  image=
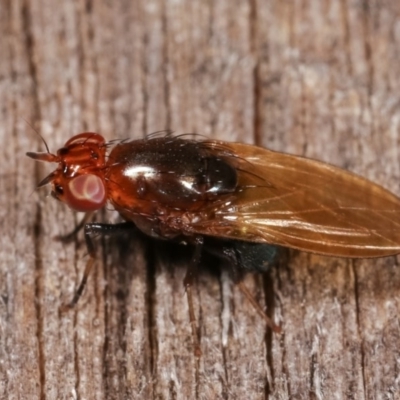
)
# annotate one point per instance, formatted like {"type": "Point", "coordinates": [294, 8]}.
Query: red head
{"type": "Point", "coordinates": [79, 178]}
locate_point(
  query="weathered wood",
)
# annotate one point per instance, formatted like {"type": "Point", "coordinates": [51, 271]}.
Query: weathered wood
{"type": "Point", "coordinates": [318, 78]}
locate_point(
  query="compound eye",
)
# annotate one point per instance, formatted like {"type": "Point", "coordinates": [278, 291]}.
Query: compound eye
{"type": "Point", "coordinates": [85, 193]}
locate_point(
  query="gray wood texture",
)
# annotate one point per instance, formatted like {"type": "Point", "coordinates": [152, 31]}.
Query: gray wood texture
{"type": "Point", "coordinates": [317, 78]}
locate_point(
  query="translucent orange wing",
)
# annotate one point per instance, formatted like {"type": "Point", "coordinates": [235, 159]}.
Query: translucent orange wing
{"type": "Point", "coordinates": [304, 204]}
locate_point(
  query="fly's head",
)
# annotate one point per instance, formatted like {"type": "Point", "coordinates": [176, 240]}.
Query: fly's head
{"type": "Point", "coordinates": [78, 180]}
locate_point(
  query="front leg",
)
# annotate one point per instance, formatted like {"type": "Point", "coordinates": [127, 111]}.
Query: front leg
{"type": "Point", "coordinates": [70, 236]}
{"type": "Point", "coordinates": [91, 230]}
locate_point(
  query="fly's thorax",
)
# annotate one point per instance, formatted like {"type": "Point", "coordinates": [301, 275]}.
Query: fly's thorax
{"type": "Point", "coordinates": [168, 172]}
{"type": "Point", "coordinates": [164, 179]}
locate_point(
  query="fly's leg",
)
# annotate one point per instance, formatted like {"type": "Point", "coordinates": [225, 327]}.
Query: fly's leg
{"type": "Point", "coordinates": [252, 257]}
{"type": "Point", "coordinates": [69, 237]}
{"type": "Point", "coordinates": [245, 257]}
{"type": "Point", "coordinates": [191, 273]}
{"type": "Point", "coordinates": [242, 287]}
{"type": "Point", "coordinates": [91, 230]}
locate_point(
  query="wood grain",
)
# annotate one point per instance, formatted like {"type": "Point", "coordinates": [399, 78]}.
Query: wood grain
{"type": "Point", "coordinates": [317, 78]}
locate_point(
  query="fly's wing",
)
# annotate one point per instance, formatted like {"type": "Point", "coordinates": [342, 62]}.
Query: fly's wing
{"type": "Point", "coordinates": [304, 204]}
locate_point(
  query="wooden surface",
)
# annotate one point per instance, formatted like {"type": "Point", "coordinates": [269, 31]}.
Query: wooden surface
{"type": "Point", "coordinates": [318, 78]}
